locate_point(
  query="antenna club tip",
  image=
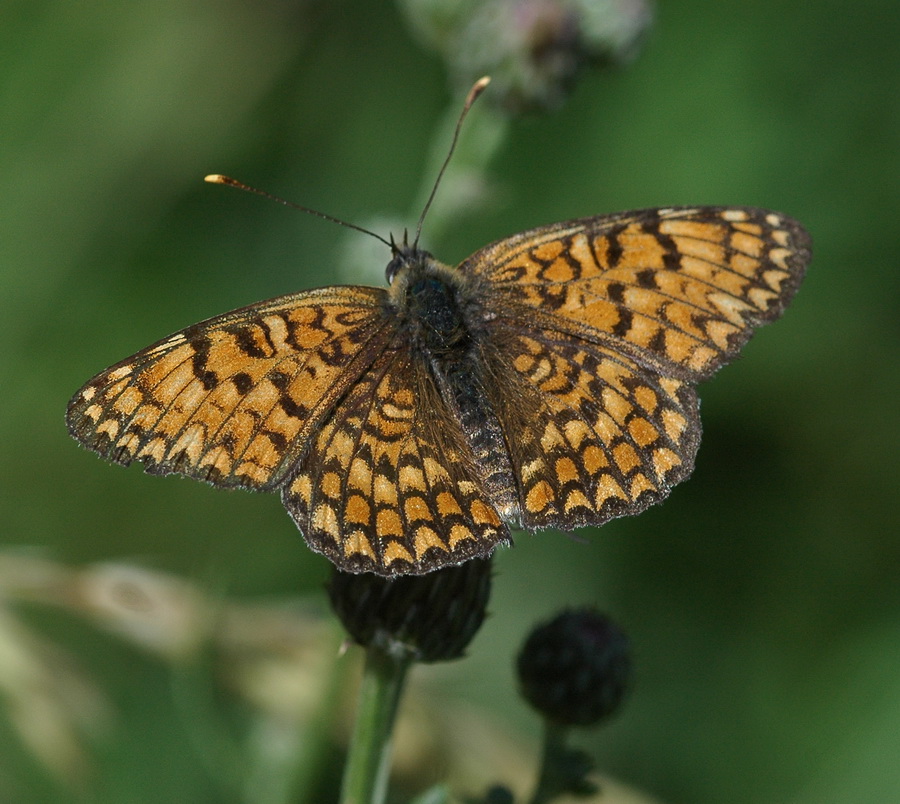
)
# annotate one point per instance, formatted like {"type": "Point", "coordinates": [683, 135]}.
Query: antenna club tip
{"type": "Point", "coordinates": [215, 178]}
{"type": "Point", "coordinates": [477, 88]}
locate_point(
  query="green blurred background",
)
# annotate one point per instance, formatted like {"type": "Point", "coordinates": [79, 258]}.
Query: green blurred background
{"type": "Point", "coordinates": [762, 598]}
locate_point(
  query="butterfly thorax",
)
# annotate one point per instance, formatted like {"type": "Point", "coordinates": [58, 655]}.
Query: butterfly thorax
{"type": "Point", "coordinates": [432, 303]}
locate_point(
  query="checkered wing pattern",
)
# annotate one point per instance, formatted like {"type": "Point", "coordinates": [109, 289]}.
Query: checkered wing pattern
{"type": "Point", "coordinates": [605, 324]}
{"type": "Point", "coordinates": [592, 433]}
{"type": "Point", "coordinates": [390, 483]}
{"type": "Point", "coordinates": [681, 287]}
{"type": "Point", "coordinates": [547, 381]}
{"type": "Point", "coordinates": [233, 400]}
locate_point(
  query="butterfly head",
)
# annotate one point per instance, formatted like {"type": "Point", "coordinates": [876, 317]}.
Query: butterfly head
{"type": "Point", "coordinates": [404, 258]}
{"type": "Point", "coordinates": [432, 301]}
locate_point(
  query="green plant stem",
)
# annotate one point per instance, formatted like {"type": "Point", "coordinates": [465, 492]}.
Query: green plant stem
{"type": "Point", "coordinates": [552, 759]}
{"type": "Point", "coordinates": [368, 760]}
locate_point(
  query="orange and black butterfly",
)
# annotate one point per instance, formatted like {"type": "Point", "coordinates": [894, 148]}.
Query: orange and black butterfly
{"type": "Point", "coordinates": [546, 381]}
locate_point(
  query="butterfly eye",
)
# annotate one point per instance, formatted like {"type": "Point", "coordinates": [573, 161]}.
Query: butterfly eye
{"type": "Point", "coordinates": [393, 267]}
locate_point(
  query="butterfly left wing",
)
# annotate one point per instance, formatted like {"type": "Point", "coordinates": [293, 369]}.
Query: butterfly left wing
{"type": "Point", "coordinates": [390, 484]}
{"type": "Point", "coordinates": [233, 400]}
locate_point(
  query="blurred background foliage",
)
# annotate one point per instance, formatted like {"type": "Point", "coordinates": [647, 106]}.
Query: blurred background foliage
{"type": "Point", "coordinates": [762, 598]}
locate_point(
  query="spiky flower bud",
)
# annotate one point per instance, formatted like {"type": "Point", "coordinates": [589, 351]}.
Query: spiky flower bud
{"type": "Point", "coordinates": [429, 618]}
{"type": "Point", "coordinates": [575, 669]}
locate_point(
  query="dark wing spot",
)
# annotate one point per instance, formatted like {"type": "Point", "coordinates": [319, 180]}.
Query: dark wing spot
{"type": "Point", "coordinates": [623, 325]}
{"type": "Point", "coordinates": [209, 378]}
{"type": "Point", "coordinates": [614, 248]}
{"type": "Point", "coordinates": [646, 278]}
{"type": "Point", "coordinates": [279, 379]}
{"type": "Point", "coordinates": [243, 382]}
{"type": "Point", "coordinates": [616, 292]}
{"type": "Point", "coordinates": [292, 408]}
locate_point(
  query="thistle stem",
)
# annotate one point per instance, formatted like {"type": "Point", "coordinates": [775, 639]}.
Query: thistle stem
{"type": "Point", "coordinates": [549, 783]}
{"type": "Point", "coordinates": [369, 758]}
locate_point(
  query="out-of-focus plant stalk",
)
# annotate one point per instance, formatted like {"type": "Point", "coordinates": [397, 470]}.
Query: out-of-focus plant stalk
{"type": "Point", "coordinates": [368, 763]}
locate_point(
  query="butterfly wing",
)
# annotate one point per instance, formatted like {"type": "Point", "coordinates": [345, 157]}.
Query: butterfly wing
{"type": "Point", "coordinates": [591, 433]}
{"type": "Point", "coordinates": [595, 332]}
{"type": "Point", "coordinates": [684, 286]}
{"type": "Point", "coordinates": [390, 484]}
{"type": "Point", "coordinates": [603, 326]}
{"type": "Point", "coordinates": [234, 399]}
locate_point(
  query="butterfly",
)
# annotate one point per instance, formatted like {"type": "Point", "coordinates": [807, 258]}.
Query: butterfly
{"type": "Point", "coordinates": [547, 381]}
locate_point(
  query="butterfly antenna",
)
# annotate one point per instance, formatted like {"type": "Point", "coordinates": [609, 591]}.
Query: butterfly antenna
{"type": "Point", "coordinates": [477, 88]}
{"type": "Point", "coordinates": [218, 178]}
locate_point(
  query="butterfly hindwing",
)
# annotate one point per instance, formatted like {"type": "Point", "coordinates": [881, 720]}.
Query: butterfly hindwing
{"type": "Point", "coordinates": [390, 483]}
{"type": "Point", "coordinates": [592, 434]}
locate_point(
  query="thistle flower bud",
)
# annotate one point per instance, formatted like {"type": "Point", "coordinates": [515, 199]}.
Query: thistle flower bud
{"type": "Point", "coordinates": [575, 669]}
{"type": "Point", "coordinates": [429, 618]}
{"type": "Point", "coordinates": [534, 50]}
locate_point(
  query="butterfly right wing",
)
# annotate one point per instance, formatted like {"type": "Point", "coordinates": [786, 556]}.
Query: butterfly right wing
{"type": "Point", "coordinates": [682, 288]}
{"type": "Point", "coordinates": [602, 327]}
{"type": "Point", "coordinates": [233, 400]}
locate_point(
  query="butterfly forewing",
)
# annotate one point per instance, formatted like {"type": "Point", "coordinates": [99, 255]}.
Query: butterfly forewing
{"type": "Point", "coordinates": [390, 483]}
{"type": "Point", "coordinates": [685, 286]}
{"type": "Point", "coordinates": [232, 400]}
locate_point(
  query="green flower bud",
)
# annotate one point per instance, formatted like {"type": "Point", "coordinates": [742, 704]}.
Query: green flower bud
{"type": "Point", "coordinates": [534, 50]}
{"type": "Point", "coordinates": [576, 668]}
{"type": "Point", "coordinates": [429, 618]}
